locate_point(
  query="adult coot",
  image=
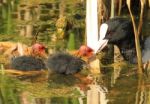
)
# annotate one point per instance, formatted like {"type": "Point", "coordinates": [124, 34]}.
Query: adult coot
{"type": "Point", "coordinates": [119, 31]}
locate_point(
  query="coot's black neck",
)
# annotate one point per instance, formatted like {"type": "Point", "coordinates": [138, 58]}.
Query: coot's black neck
{"type": "Point", "coordinates": [128, 50]}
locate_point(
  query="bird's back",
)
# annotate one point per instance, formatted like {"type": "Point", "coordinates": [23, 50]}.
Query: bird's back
{"type": "Point", "coordinates": [64, 63]}
{"type": "Point", "coordinates": [27, 63]}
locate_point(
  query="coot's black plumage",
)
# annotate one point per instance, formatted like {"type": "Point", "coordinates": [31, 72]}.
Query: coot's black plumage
{"type": "Point", "coordinates": [27, 63]}
{"type": "Point", "coordinates": [120, 32]}
{"type": "Point", "coordinates": [64, 63]}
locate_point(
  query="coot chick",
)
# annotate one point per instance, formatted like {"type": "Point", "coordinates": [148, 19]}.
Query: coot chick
{"type": "Point", "coordinates": [30, 62]}
{"type": "Point", "coordinates": [64, 63]}
{"type": "Point", "coordinates": [27, 63]}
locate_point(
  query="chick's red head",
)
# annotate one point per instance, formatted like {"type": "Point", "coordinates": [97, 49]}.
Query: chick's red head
{"type": "Point", "coordinates": [85, 51]}
{"type": "Point", "coordinates": [38, 49]}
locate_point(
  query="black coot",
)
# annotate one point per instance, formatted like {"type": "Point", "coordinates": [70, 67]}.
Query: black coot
{"type": "Point", "coordinates": [120, 32]}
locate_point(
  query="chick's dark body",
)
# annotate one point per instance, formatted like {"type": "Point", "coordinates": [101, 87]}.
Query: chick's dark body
{"type": "Point", "coordinates": [64, 63]}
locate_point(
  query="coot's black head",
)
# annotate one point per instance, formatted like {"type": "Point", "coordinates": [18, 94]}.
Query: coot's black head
{"type": "Point", "coordinates": [120, 32]}
{"type": "Point", "coordinates": [117, 31]}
